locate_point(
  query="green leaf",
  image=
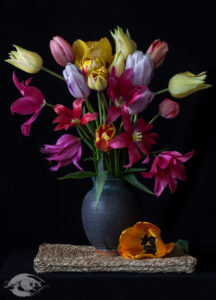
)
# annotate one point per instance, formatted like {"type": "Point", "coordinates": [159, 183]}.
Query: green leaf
{"type": "Point", "coordinates": [131, 178]}
{"type": "Point", "coordinates": [132, 170]}
{"type": "Point", "coordinates": [77, 175]}
{"type": "Point", "coordinates": [100, 181]}
{"type": "Point", "coordinates": [184, 244]}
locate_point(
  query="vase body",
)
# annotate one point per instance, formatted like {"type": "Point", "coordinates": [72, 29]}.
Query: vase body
{"type": "Point", "coordinates": [117, 210]}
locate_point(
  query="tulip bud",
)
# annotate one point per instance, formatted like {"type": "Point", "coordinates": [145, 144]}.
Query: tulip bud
{"type": "Point", "coordinates": [119, 63]}
{"type": "Point", "coordinates": [169, 109]}
{"type": "Point", "coordinates": [97, 79]}
{"type": "Point", "coordinates": [62, 51]}
{"type": "Point", "coordinates": [157, 52]}
{"type": "Point", "coordinates": [76, 81]}
{"type": "Point", "coordinates": [26, 60]}
{"type": "Point", "coordinates": [184, 84]}
{"type": "Point", "coordinates": [123, 42]}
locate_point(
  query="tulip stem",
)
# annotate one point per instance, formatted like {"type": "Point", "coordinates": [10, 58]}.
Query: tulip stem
{"type": "Point", "coordinates": [161, 91]}
{"type": "Point", "coordinates": [49, 105]}
{"type": "Point", "coordinates": [53, 73]}
{"type": "Point", "coordinates": [154, 118]}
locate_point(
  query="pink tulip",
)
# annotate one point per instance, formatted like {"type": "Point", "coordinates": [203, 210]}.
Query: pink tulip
{"type": "Point", "coordinates": [71, 118]}
{"type": "Point", "coordinates": [166, 168]}
{"type": "Point", "coordinates": [66, 150]}
{"type": "Point", "coordinates": [122, 92]}
{"type": "Point", "coordinates": [62, 51]}
{"type": "Point", "coordinates": [137, 139]}
{"type": "Point", "coordinates": [157, 52]}
{"type": "Point", "coordinates": [31, 103]}
{"type": "Point", "coordinates": [169, 109]}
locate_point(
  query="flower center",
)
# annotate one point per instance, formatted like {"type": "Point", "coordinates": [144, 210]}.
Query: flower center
{"type": "Point", "coordinates": [119, 101]}
{"type": "Point", "coordinates": [149, 244]}
{"type": "Point", "coordinates": [75, 121]}
{"type": "Point", "coordinates": [137, 136]}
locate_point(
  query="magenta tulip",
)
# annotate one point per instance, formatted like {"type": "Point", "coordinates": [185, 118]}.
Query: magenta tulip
{"type": "Point", "coordinates": [166, 168]}
{"type": "Point", "coordinates": [122, 92]}
{"type": "Point", "coordinates": [137, 139]}
{"type": "Point", "coordinates": [67, 150]}
{"type": "Point", "coordinates": [62, 51]}
{"type": "Point", "coordinates": [169, 109]}
{"type": "Point", "coordinates": [31, 103]}
{"type": "Point", "coordinates": [70, 118]}
{"type": "Point", "coordinates": [157, 52]}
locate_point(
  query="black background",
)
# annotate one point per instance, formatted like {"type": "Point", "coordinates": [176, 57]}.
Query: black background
{"type": "Point", "coordinates": [37, 208]}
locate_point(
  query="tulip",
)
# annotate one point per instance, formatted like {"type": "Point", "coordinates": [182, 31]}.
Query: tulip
{"type": "Point", "coordinates": [97, 80]}
{"type": "Point", "coordinates": [70, 118]}
{"type": "Point", "coordinates": [166, 168]}
{"type": "Point", "coordinates": [184, 84]}
{"type": "Point", "coordinates": [31, 103]}
{"type": "Point", "coordinates": [169, 109]}
{"type": "Point", "coordinates": [119, 63]}
{"type": "Point", "coordinates": [137, 139]}
{"type": "Point", "coordinates": [122, 91]}
{"type": "Point", "coordinates": [123, 42]}
{"type": "Point", "coordinates": [67, 150]}
{"type": "Point", "coordinates": [25, 60]}
{"type": "Point", "coordinates": [142, 66]}
{"type": "Point", "coordinates": [104, 134]}
{"type": "Point", "coordinates": [76, 81]}
{"type": "Point", "coordinates": [62, 51]}
{"type": "Point", "coordinates": [157, 52]}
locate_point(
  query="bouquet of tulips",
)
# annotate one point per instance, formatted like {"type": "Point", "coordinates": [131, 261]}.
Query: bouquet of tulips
{"type": "Point", "coordinates": [117, 134]}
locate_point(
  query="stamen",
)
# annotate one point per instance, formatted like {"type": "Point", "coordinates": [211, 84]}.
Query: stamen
{"type": "Point", "coordinates": [137, 136]}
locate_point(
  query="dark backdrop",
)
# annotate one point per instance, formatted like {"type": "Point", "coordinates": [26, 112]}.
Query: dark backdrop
{"type": "Point", "coordinates": [37, 208]}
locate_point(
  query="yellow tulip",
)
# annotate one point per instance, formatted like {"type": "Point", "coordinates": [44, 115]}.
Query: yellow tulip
{"type": "Point", "coordinates": [97, 80]}
{"type": "Point", "coordinates": [123, 42]}
{"type": "Point", "coordinates": [118, 63]}
{"type": "Point", "coordinates": [91, 50]}
{"type": "Point", "coordinates": [25, 60]}
{"type": "Point", "coordinates": [184, 84]}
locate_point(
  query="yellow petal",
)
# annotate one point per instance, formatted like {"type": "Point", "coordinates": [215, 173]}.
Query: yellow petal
{"type": "Point", "coordinates": [80, 48]}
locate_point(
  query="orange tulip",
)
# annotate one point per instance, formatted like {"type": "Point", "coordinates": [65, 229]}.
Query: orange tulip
{"type": "Point", "coordinates": [143, 240]}
{"type": "Point", "coordinates": [104, 134]}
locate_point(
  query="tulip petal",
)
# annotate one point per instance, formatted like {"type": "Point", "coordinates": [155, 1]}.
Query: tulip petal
{"type": "Point", "coordinates": [77, 108]}
{"type": "Point", "coordinates": [88, 117]}
{"type": "Point", "coordinates": [172, 184]}
{"type": "Point", "coordinates": [113, 114]}
{"type": "Point", "coordinates": [121, 141]}
{"type": "Point", "coordinates": [161, 181]}
{"type": "Point", "coordinates": [24, 106]}
{"type": "Point", "coordinates": [25, 128]}
{"type": "Point", "coordinates": [134, 154]}
{"type": "Point", "coordinates": [126, 120]}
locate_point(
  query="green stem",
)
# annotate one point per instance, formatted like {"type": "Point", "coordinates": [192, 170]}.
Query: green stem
{"type": "Point", "coordinates": [161, 91]}
{"type": "Point", "coordinates": [91, 110]}
{"type": "Point", "coordinates": [100, 110]}
{"type": "Point", "coordinates": [84, 132]}
{"type": "Point", "coordinates": [49, 105]}
{"type": "Point", "coordinates": [53, 73]}
{"type": "Point", "coordinates": [154, 118]}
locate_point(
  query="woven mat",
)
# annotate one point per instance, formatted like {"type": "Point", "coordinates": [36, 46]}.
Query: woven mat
{"type": "Point", "coordinates": [70, 258]}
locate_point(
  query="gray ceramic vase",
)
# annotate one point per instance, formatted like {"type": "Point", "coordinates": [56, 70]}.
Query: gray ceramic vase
{"type": "Point", "coordinates": [117, 210]}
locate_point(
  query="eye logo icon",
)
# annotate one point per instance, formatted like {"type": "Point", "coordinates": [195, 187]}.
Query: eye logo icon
{"type": "Point", "coordinates": [25, 285]}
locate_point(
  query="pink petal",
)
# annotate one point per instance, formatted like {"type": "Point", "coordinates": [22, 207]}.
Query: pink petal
{"type": "Point", "coordinates": [113, 114]}
{"type": "Point", "coordinates": [24, 106]}
{"type": "Point", "coordinates": [134, 154]}
{"type": "Point", "coordinates": [146, 175]}
{"type": "Point", "coordinates": [163, 161]}
{"type": "Point", "coordinates": [121, 141]}
{"type": "Point", "coordinates": [34, 93]}
{"type": "Point", "coordinates": [88, 117]}
{"type": "Point", "coordinates": [172, 184]}
{"type": "Point", "coordinates": [76, 159]}
{"type": "Point", "coordinates": [126, 120]}
{"type": "Point", "coordinates": [25, 127]}
{"type": "Point", "coordinates": [77, 108]}
{"type": "Point", "coordinates": [160, 184]}
{"type": "Point", "coordinates": [63, 110]}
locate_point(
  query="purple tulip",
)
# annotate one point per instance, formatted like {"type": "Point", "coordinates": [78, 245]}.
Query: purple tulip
{"type": "Point", "coordinates": [76, 81]}
{"type": "Point", "coordinates": [67, 150]}
{"type": "Point", "coordinates": [142, 66]}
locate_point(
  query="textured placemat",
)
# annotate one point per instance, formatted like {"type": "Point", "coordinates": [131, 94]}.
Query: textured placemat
{"type": "Point", "coordinates": [71, 258]}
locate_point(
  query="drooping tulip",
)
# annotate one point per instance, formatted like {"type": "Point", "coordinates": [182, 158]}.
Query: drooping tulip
{"type": "Point", "coordinates": [167, 167]}
{"type": "Point", "coordinates": [31, 103]}
{"type": "Point", "coordinates": [143, 240]}
{"type": "Point", "coordinates": [123, 42]}
{"type": "Point", "coordinates": [76, 81]}
{"type": "Point", "coordinates": [122, 92]}
{"type": "Point", "coordinates": [157, 51]}
{"type": "Point", "coordinates": [26, 60]}
{"type": "Point", "coordinates": [71, 118]}
{"type": "Point", "coordinates": [169, 109]}
{"type": "Point", "coordinates": [62, 51]}
{"type": "Point", "coordinates": [104, 134]}
{"type": "Point", "coordinates": [184, 84]}
{"type": "Point", "coordinates": [67, 150]}
{"type": "Point", "coordinates": [142, 66]}
{"type": "Point", "coordinates": [137, 139]}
